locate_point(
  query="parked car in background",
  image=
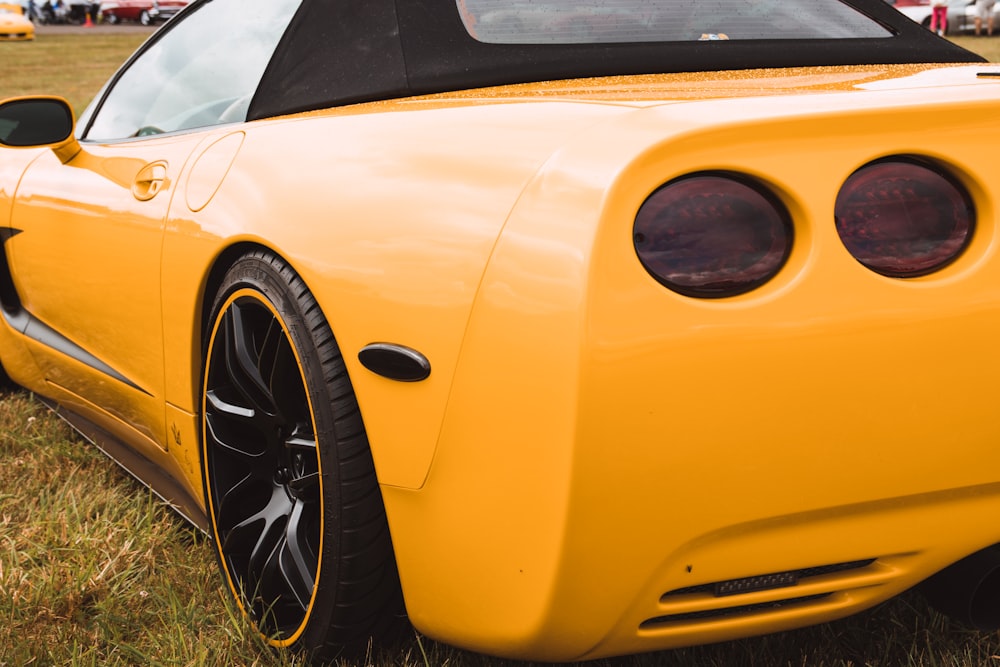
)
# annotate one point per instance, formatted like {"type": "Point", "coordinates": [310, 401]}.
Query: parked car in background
{"type": "Point", "coordinates": [961, 14]}
{"type": "Point", "coordinates": [14, 25]}
{"type": "Point", "coordinates": [146, 12]}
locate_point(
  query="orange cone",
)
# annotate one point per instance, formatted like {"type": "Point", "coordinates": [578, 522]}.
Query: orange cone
{"type": "Point", "coordinates": [88, 23]}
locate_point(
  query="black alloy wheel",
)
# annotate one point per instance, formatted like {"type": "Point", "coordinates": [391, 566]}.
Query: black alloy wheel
{"type": "Point", "coordinates": [295, 508]}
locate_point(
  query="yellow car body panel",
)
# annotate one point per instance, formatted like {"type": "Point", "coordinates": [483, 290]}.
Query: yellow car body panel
{"type": "Point", "coordinates": [758, 397]}
{"type": "Point", "coordinates": [416, 284]}
{"type": "Point", "coordinates": [591, 447]}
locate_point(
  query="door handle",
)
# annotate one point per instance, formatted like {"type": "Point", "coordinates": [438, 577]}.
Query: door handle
{"type": "Point", "coordinates": [150, 181]}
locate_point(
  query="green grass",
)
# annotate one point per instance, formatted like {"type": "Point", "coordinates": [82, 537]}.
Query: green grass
{"type": "Point", "coordinates": [95, 571]}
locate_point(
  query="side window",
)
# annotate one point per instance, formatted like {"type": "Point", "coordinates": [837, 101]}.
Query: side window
{"type": "Point", "coordinates": [201, 71]}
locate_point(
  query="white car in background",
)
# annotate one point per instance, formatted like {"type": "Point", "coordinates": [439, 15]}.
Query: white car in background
{"type": "Point", "coordinates": [961, 15]}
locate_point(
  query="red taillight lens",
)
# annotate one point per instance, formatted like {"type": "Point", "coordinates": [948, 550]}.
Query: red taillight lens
{"type": "Point", "coordinates": [904, 217]}
{"type": "Point", "coordinates": [712, 235]}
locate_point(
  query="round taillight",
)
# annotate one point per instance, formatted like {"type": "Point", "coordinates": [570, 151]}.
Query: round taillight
{"type": "Point", "coordinates": [712, 235]}
{"type": "Point", "coordinates": [904, 217]}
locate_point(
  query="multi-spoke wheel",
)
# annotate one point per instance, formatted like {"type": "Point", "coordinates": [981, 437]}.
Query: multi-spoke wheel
{"type": "Point", "coordinates": [294, 503]}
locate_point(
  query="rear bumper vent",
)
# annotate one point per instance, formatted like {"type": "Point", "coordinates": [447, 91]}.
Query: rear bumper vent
{"type": "Point", "coordinates": [728, 611]}
{"type": "Point", "coordinates": [761, 594]}
{"type": "Point", "coordinates": [765, 582]}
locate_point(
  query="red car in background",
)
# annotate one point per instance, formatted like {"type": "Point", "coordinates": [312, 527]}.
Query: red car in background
{"type": "Point", "coordinates": [146, 12]}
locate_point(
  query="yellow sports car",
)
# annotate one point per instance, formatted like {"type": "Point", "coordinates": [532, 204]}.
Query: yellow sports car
{"type": "Point", "coordinates": [572, 328]}
{"type": "Point", "coordinates": [14, 25]}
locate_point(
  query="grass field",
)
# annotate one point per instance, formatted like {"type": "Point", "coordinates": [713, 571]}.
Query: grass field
{"type": "Point", "coordinates": [94, 571]}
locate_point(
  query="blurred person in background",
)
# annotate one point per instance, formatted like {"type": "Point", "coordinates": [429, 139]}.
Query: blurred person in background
{"type": "Point", "coordinates": [939, 16]}
{"type": "Point", "coordinates": [984, 11]}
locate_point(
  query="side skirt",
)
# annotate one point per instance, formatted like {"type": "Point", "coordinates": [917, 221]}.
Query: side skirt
{"type": "Point", "coordinates": [136, 465]}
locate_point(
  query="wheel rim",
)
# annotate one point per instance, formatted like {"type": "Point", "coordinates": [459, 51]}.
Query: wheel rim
{"type": "Point", "coordinates": [262, 466]}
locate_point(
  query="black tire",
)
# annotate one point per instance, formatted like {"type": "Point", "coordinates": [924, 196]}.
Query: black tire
{"type": "Point", "coordinates": [293, 500]}
{"type": "Point", "coordinates": [144, 18]}
{"type": "Point", "coordinates": [112, 19]}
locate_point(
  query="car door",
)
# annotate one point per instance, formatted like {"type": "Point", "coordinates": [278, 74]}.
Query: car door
{"type": "Point", "coordinates": [85, 264]}
{"type": "Point", "coordinates": [85, 257]}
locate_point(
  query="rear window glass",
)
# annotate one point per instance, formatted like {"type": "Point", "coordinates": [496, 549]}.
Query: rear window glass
{"type": "Point", "coordinates": [636, 21]}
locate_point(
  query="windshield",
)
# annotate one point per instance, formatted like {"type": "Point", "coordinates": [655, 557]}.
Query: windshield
{"type": "Point", "coordinates": [637, 21]}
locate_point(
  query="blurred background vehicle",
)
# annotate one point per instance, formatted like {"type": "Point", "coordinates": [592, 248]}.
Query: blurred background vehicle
{"type": "Point", "coordinates": [146, 12]}
{"type": "Point", "coordinates": [14, 25]}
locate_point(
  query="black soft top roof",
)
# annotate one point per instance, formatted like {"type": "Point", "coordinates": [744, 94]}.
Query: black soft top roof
{"type": "Point", "coordinates": [338, 52]}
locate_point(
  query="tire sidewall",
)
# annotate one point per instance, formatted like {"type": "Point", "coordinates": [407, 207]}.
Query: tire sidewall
{"type": "Point", "coordinates": [256, 275]}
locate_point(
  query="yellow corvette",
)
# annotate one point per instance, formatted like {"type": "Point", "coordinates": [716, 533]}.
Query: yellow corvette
{"type": "Point", "coordinates": [571, 328]}
{"type": "Point", "coordinates": [14, 25]}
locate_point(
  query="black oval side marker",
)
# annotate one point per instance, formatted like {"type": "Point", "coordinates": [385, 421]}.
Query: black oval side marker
{"type": "Point", "coordinates": [395, 362]}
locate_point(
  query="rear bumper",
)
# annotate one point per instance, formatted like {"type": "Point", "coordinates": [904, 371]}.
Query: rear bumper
{"type": "Point", "coordinates": [616, 457]}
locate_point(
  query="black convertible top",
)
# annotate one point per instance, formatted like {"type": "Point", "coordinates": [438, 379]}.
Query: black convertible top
{"type": "Point", "coordinates": [338, 52]}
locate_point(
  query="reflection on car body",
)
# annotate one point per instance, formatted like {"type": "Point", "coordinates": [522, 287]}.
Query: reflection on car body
{"type": "Point", "coordinates": [563, 330]}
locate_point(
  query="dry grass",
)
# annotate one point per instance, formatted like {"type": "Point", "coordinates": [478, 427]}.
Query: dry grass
{"type": "Point", "coordinates": [74, 66]}
{"type": "Point", "coordinates": [987, 47]}
{"type": "Point", "coordinates": [94, 571]}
